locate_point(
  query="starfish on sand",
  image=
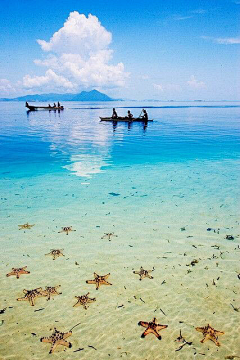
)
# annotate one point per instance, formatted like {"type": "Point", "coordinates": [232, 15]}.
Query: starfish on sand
{"type": "Point", "coordinates": [55, 253]}
{"type": "Point", "coordinates": [31, 295]}
{"type": "Point", "coordinates": [18, 271]}
{"type": "Point", "coordinates": [51, 291]}
{"type": "Point", "coordinates": [99, 280]}
{"type": "Point", "coordinates": [84, 300]}
{"type": "Point", "coordinates": [181, 339]}
{"type": "Point", "coordinates": [108, 236]}
{"type": "Point", "coordinates": [57, 338]}
{"type": "Point", "coordinates": [66, 229]}
{"type": "Point", "coordinates": [210, 333]}
{"type": "Point", "coordinates": [152, 327]}
{"type": "Point", "coordinates": [143, 273]}
{"type": "Point", "coordinates": [25, 226]}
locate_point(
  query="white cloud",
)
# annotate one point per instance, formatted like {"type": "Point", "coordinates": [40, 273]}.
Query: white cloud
{"type": "Point", "coordinates": [195, 84]}
{"type": "Point", "coordinates": [180, 17]}
{"type": "Point", "coordinates": [167, 87]}
{"type": "Point", "coordinates": [6, 87]}
{"type": "Point", "coordinates": [50, 77]}
{"type": "Point", "coordinates": [223, 41]}
{"type": "Point", "coordinates": [79, 35]}
{"type": "Point", "coordinates": [79, 56]}
{"type": "Point", "coordinates": [199, 11]}
{"type": "Point", "coordinates": [190, 15]}
{"type": "Point", "coordinates": [228, 41]}
{"type": "Point", "coordinates": [158, 87]}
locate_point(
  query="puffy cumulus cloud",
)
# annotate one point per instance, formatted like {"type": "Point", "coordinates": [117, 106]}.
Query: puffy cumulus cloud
{"type": "Point", "coordinates": [6, 87]}
{"type": "Point", "coordinates": [79, 56]}
{"type": "Point", "coordinates": [50, 77]}
{"type": "Point", "coordinates": [79, 35]}
{"type": "Point", "coordinates": [195, 84]}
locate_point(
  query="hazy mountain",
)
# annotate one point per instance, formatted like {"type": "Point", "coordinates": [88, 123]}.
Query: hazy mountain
{"type": "Point", "coordinates": [92, 95]}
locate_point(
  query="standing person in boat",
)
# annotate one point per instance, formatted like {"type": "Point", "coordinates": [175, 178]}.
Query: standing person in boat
{"type": "Point", "coordinates": [114, 114]}
{"type": "Point", "coordinates": [130, 116]}
{"type": "Point", "coordinates": [145, 115]}
{"type": "Point", "coordinates": [59, 104]}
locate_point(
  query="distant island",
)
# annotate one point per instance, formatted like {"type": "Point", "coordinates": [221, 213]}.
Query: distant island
{"type": "Point", "coordinates": [92, 95]}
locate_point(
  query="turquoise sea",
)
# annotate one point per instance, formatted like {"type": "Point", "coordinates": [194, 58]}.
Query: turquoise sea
{"type": "Point", "coordinates": [169, 191]}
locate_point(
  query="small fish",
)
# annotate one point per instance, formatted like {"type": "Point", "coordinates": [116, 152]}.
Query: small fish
{"type": "Point", "coordinates": [92, 347]}
{"type": "Point", "coordinates": [234, 308]}
{"type": "Point", "coordinates": [80, 349]}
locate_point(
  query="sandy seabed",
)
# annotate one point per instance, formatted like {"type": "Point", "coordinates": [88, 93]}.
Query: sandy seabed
{"type": "Point", "coordinates": [175, 226]}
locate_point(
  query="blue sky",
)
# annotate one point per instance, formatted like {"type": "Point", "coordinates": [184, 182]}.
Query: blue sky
{"type": "Point", "coordinates": [133, 49]}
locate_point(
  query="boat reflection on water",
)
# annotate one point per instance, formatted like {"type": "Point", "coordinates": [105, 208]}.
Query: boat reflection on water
{"type": "Point", "coordinates": [129, 124]}
{"type": "Point", "coordinates": [54, 111]}
{"type": "Point", "coordinates": [115, 124]}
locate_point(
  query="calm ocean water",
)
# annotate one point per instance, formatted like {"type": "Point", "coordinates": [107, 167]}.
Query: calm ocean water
{"type": "Point", "coordinates": [168, 190]}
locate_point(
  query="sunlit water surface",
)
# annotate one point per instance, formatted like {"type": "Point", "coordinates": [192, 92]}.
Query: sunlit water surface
{"type": "Point", "coordinates": [158, 188]}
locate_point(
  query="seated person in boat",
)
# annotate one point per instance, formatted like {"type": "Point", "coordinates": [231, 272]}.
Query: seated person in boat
{"type": "Point", "coordinates": [114, 114]}
{"type": "Point", "coordinates": [59, 104]}
{"type": "Point", "coordinates": [49, 105]}
{"type": "Point", "coordinates": [145, 115]}
{"type": "Point", "coordinates": [26, 104]}
{"type": "Point", "coordinates": [54, 105]}
{"type": "Point", "coordinates": [130, 116]}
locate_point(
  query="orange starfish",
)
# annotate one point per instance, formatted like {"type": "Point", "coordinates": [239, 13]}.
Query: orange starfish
{"type": "Point", "coordinates": [66, 229]}
{"type": "Point", "coordinates": [99, 280]}
{"type": "Point", "coordinates": [31, 295]}
{"type": "Point", "coordinates": [57, 338]}
{"type": "Point", "coordinates": [18, 271]}
{"type": "Point", "coordinates": [51, 291]}
{"type": "Point", "coordinates": [210, 333]}
{"type": "Point", "coordinates": [152, 327]}
{"type": "Point", "coordinates": [25, 226]}
{"type": "Point", "coordinates": [108, 236]}
{"type": "Point", "coordinates": [143, 273]}
{"type": "Point", "coordinates": [84, 300]}
{"type": "Point", "coordinates": [55, 253]}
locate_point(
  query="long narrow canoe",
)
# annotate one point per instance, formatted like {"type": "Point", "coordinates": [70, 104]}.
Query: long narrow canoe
{"type": "Point", "coordinates": [33, 108]}
{"type": "Point", "coordinates": [126, 119]}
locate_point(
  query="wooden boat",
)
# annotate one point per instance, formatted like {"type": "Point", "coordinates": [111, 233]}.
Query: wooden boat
{"type": "Point", "coordinates": [126, 119]}
{"type": "Point", "coordinates": [33, 108]}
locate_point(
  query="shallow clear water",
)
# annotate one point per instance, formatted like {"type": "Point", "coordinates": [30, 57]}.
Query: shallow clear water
{"type": "Point", "coordinates": [158, 188]}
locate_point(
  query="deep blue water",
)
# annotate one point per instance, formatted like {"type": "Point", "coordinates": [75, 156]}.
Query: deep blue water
{"type": "Point", "coordinates": [160, 189]}
{"type": "Point", "coordinates": [43, 142]}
